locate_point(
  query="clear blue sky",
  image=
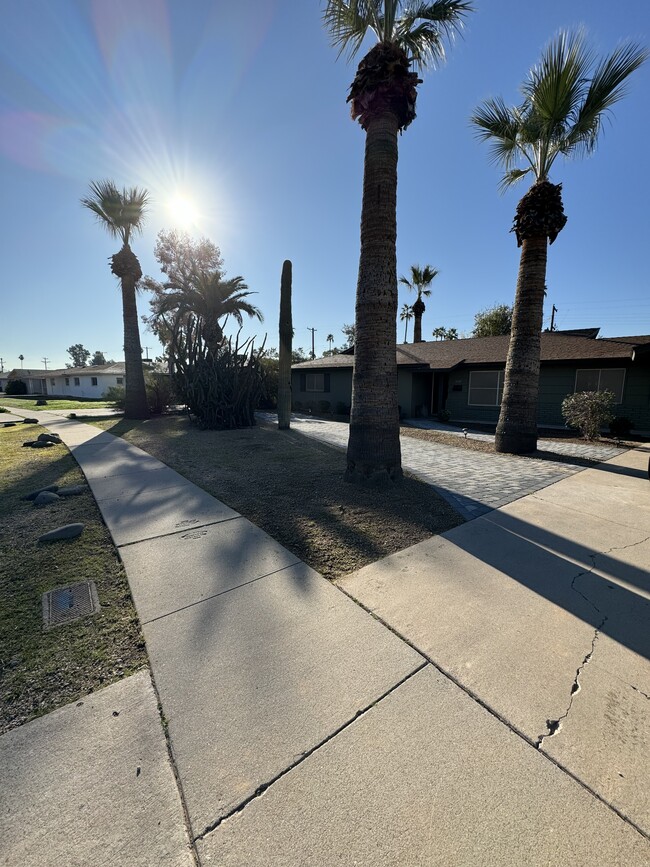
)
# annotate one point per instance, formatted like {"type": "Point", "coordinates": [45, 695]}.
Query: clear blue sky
{"type": "Point", "coordinates": [241, 107]}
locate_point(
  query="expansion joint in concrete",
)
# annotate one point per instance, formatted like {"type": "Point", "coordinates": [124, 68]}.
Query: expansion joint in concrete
{"type": "Point", "coordinates": [301, 758]}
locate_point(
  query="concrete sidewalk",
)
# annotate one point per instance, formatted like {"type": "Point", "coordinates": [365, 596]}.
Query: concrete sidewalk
{"type": "Point", "coordinates": [303, 731]}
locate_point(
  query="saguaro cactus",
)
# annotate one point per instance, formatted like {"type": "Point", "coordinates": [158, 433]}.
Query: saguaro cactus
{"type": "Point", "coordinates": [286, 337]}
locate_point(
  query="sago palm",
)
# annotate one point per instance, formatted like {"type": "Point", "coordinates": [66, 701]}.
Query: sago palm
{"type": "Point", "coordinates": [421, 279]}
{"type": "Point", "coordinates": [122, 213]}
{"type": "Point", "coordinates": [383, 96]}
{"type": "Point", "coordinates": [565, 99]}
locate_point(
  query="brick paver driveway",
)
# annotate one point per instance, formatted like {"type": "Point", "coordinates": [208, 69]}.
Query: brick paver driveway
{"type": "Point", "coordinates": [473, 482]}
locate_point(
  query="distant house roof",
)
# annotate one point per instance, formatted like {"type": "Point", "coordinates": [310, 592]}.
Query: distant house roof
{"type": "Point", "coordinates": [449, 354]}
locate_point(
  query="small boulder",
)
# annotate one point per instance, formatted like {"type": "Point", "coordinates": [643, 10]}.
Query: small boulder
{"type": "Point", "coordinates": [68, 531]}
{"type": "Point", "coordinates": [45, 498]}
{"type": "Point", "coordinates": [33, 494]}
{"type": "Point", "coordinates": [72, 490]}
{"type": "Point", "coordinates": [49, 438]}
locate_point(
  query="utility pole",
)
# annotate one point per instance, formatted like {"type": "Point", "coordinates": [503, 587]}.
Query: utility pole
{"type": "Point", "coordinates": [45, 361]}
{"type": "Point", "coordinates": [313, 330]}
{"type": "Point", "coordinates": [553, 312]}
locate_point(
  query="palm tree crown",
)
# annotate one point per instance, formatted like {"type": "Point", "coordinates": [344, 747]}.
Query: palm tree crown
{"type": "Point", "coordinates": [565, 98]}
{"type": "Point", "coordinates": [122, 213]}
{"type": "Point", "coordinates": [209, 299]}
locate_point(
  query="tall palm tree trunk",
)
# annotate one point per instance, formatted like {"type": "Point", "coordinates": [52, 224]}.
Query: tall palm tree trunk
{"type": "Point", "coordinates": [517, 428]}
{"type": "Point", "coordinates": [136, 405]}
{"type": "Point", "coordinates": [373, 447]}
{"type": "Point", "coordinates": [418, 310]}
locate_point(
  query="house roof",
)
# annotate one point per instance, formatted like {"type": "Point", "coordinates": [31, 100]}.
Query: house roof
{"type": "Point", "coordinates": [449, 354]}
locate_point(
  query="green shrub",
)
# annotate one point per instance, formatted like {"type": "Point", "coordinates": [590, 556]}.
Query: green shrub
{"type": "Point", "coordinates": [117, 396]}
{"type": "Point", "coordinates": [620, 426]}
{"type": "Point", "coordinates": [16, 386]}
{"type": "Point", "coordinates": [588, 411]}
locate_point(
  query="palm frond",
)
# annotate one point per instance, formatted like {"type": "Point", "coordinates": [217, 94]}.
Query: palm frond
{"type": "Point", "coordinates": [121, 212]}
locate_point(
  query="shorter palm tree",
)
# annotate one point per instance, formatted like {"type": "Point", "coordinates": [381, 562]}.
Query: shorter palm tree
{"type": "Point", "coordinates": [406, 315]}
{"type": "Point", "coordinates": [421, 279]}
{"type": "Point", "coordinates": [210, 300]}
{"type": "Point", "coordinates": [122, 213]}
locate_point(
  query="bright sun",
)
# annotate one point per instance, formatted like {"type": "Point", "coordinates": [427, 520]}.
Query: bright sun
{"type": "Point", "coordinates": [183, 211]}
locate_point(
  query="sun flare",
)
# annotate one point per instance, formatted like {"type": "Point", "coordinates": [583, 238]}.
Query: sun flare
{"type": "Point", "coordinates": [183, 211]}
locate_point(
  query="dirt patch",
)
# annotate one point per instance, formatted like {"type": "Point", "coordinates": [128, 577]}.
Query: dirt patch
{"type": "Point", "coordinates": [292, 487]}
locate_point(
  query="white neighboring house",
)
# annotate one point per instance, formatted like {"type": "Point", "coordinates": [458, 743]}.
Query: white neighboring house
{"type": "Point", "coordinates": [89, 382]}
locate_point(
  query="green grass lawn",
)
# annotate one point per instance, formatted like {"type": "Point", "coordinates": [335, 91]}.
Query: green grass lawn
{"type": "Point", "coordinates": [53, 403]}
{"type": "Point", "coordinates": [39, 670]}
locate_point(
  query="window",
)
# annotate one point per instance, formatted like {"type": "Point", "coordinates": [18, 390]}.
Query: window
{"type": "Point", "coordinates": [119, 380]}
{"type": "Point", "coordinates": [607, 379]}
{"type": "Point", "coordinates": [315, 382]}
{"type": "Point", "coordinates": [93, 380]}
{"type": "Point", "coordinates": [67, 380]}
{"type": "Point", "coordinates": [77, 381]}
{"type": "Point", "coordinates": [485, 387]}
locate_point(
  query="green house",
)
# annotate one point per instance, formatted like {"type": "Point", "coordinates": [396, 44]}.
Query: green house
{"type": "Point", "coordinates": [465, 377]}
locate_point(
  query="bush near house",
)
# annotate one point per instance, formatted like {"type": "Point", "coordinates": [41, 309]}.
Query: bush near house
{"type": "Point", "coordinates": [588, 411]}
{"type": "Point", "coordinates": [16, 386]}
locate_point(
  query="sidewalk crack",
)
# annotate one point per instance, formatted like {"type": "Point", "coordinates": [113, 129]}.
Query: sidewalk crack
{"type": "Point", "coordinates": [555, 725]}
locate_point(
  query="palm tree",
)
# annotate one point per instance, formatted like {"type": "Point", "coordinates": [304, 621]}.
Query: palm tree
{"type": "Point", "coordinates": [383, 96]}
{"type": "Point", "coordinates": [565, 98]}
{"type": "Point", "coordinates": [208, 298]}
{"type": "Point", "coordinates": [122, 213]}
{"type": "Point", "coordinates": [406, 315]}
{"type": "Point", "coordinates": [421, 279]}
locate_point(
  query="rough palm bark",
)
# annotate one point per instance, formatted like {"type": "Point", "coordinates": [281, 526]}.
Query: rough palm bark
{"type": "Point", "coordinates": [126, 267]}
{"type": "Point", "coordinates": [286, 338]}
{"type": "Point", "coordinates": [373, 447]}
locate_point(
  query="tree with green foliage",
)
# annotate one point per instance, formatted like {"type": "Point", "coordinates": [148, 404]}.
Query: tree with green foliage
{"type": "Point", "coordinates": [565, 99]}
{"type": "Point", "coordinates": [493, 321]}
{"type": "Point", "coordinates": [122, 213]}
{"type": "Point", "coordinates": [421, 279]}
{"type": "Point", "coordinates": [383, 96]}
{"type": "Point", "coordinates": [79, 355]}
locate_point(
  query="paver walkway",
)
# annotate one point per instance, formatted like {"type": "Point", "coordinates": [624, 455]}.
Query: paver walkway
{"type": "Point", "coordinates": [473, 482]}
{"type": "Point", "coordinates": [305, 733]}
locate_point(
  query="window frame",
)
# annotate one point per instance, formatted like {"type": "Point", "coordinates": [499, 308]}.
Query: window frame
{"type": "Point", "coordinates": [499, 387]}
{"type": "Point", "coordinates": [599, 371]}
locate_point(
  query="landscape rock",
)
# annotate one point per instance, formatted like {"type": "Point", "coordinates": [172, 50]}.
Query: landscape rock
{"type": "Point", "coordinates": [49, 438]}
{"type": "Point", "coordinates": [33, 494]}
{"type": "Point", "coordinates": [72, 490]}
{"type": "Point", "coordinates": [45, 498]}
{"type": "Point", "coordinates": [68, 531]}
